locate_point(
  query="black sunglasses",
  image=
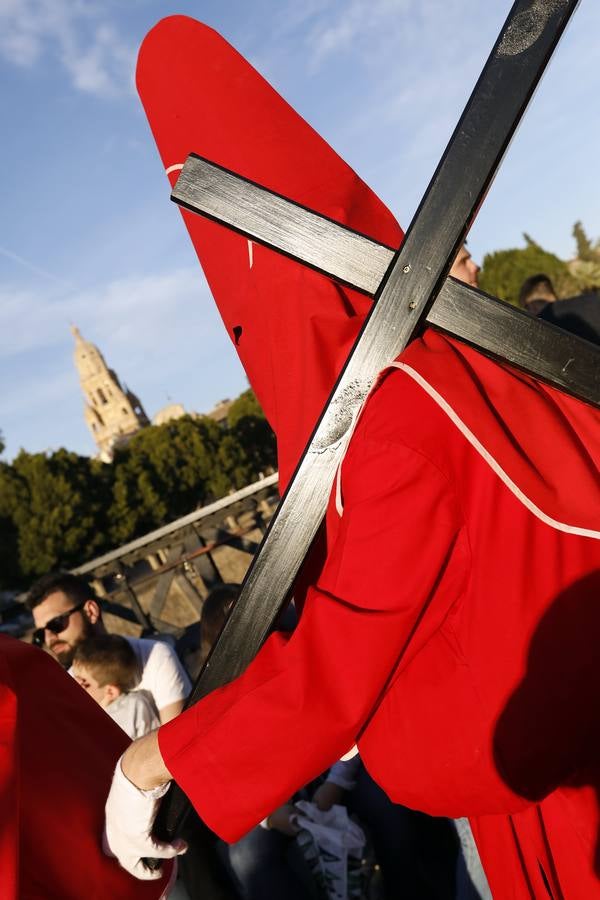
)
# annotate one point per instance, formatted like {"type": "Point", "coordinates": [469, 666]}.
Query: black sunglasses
{"type": "Point", "coordinates": [55, 625]}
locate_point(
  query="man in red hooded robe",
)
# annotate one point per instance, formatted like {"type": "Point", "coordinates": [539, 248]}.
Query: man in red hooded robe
{"type": "Point", "coordinates": [451, 631]}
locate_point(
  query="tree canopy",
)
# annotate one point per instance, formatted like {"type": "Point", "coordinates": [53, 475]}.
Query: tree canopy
{"type": "Point", "coordinates": [58, 510]}
{"type": "Point", "coordinates": [504, 271]}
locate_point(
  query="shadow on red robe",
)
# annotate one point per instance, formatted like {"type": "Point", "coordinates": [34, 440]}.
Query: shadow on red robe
{"type": "Point", "coordinates": [547, 749]}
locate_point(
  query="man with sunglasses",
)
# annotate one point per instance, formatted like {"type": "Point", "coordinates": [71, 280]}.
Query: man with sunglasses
{"type": "Point", "coordinates": [66, 611]}
{"type": "Point", "coordinates": [56, 626]}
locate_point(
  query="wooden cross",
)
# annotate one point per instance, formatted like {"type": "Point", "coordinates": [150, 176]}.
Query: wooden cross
{"type": "Point", "coordinates": [410, 288]}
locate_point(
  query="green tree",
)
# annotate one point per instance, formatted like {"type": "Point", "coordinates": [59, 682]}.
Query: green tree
{"type": "Point", "coordinates": [585, 251]}
{"type": "Point", "coordinates": [163, 473]}
{"type": "Point", "coordinates": [586, 267]}
{"type": "Point", "coordinates": [233, 469]}
{"type": "Point", "coordinates": [244, 405]}
{"type": "Point", "coordinates": [249, 429]}
{"type": "Point", "coordinates": [60, 509]}
{"type": "Point", "coordinates": [504, 271]}
{"type": "Point", "coordinates": [57, 504]}
{"type": "Point", "coordinates": [10, 571]}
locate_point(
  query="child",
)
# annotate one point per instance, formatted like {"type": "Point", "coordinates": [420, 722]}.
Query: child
{"type": "Point", "coordinates": [106, 666]}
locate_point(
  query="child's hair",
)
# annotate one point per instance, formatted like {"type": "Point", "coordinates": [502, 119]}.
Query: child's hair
{"type": "Point", "coordinates": [111, 660]}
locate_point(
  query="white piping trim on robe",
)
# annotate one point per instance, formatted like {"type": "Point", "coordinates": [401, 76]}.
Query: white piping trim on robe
{"type": "Point", "coordinates": [489, 459]}
{"type": "Point", "coordinates": [475, 443]}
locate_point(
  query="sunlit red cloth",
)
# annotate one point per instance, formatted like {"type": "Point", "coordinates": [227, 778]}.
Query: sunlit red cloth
{"type": "Point", "coordinates": [58, 750]}
{"type": "Point", "coordinates": [296, 326]}
{"type": "Point", "coordinates": [469, 534]}
{"type": "Point", "coordinates": [475, 581]}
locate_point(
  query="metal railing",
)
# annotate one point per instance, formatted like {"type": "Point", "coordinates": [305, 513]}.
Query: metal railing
{"type": "Point", "coordinates": [158, 582]}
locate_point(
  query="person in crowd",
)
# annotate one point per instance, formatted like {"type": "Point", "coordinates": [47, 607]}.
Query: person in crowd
{"type": "Point", "coordinates": [266, 863]}
{"type": "Point", "coordinates": [106, 666]}
{"type": "Point", "coordinates": [437, 631]}
{"type": "Point", "coordinates": [464, 268]}
{"type": "Point", "coordinates": [66, 611]}
{"type": "Point", "coordinates": [421, 608]}
{"type": "Point", "coordinates": [536, 293]}
{"type": "Point", "coordinates": [417, 853]}
{"type": "Point", "coordinates": [215, 610]}
{"type": "Point", "coordinates": [580, 315]}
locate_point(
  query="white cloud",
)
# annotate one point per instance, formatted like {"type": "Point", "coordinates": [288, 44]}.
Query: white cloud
{"type": "Point", "coordinates": [156, 331]}
{"type": "Point", "coordinates": [138, 313]}
{"type": "Point", "coordinates": [76, 33]}
{"type": "Point", "coordinates": [31, 267]}
{"type": "Point", "coordinates": [353, 25]}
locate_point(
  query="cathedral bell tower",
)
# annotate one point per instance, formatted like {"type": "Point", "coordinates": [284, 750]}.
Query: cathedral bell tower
{"type": "Point", "coordinates": [112, 412]}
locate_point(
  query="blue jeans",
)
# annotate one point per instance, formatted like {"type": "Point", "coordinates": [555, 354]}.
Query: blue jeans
{"type": "Point", "coordinates": [267, 865]}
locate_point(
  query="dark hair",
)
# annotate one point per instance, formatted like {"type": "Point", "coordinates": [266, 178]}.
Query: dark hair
{"type": "Point", "coordinates": [534, 286]}
{"type": "Point", "coordinates": [75, 587]}
{"type": "Point", "coordinates": [111, 660]}
{"type": "Point", "coordinates": [215, 610]}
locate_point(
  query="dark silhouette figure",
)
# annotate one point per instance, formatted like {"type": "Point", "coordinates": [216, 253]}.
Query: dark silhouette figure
{"type": "Point", "coordinates": [579, 315]}
{"type": "Point", "coordinates": [547, 738]}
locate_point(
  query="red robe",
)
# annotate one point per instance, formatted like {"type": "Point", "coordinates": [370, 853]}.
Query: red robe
{"type": "Point", "coordinates": [467, 564]}
{"type": "Point", "coordinates": [438, 571]}
{"type": "Point", "coordinates": [58, 750]}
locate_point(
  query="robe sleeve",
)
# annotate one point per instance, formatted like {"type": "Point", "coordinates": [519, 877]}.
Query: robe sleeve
{"type": "Point", "coordinates": [301, 704]}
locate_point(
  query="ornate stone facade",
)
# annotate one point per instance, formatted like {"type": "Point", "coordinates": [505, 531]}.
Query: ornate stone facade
{"type": "Point", "coordinates": [113, 413]}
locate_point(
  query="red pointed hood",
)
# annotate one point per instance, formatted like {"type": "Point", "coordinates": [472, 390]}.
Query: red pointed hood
{"type": "Point", "coordinates": [292, 327]}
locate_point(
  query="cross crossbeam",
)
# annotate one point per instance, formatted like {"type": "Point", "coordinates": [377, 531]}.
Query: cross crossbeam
{"type": "Point", "coordinates": [403, 299]}
{"type": "Point", "coordinates": [492, 326]}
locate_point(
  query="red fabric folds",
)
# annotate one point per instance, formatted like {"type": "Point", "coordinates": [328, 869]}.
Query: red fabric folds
{"type": "Point", "coordinates": [452, 629]}
{"type": "Point", "coordinates": [58, 750]}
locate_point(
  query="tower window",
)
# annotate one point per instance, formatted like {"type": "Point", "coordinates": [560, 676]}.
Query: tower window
{"type": "Point", "coordinates": [101, 396]}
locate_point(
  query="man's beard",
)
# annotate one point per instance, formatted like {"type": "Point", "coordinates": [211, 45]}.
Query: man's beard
{"type": "Point", "coordinates": [65, 655]}
{"type": "Point", "coordinates": [67, 652]}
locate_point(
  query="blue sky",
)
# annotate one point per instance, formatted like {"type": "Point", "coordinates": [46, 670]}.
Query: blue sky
{"type": "Point", "coordinates": [87, 232]}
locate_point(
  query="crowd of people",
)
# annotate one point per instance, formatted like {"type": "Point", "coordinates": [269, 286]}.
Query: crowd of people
{"type": "Point", "coordinates": [140, 683]}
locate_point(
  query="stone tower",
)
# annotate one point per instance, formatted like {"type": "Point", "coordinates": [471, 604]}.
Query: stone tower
{"type": "Point", "coordinates": [112, 412]}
